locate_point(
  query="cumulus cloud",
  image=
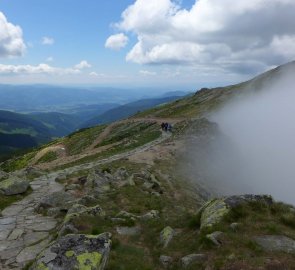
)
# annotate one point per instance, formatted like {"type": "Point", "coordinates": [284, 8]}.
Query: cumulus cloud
{"type": "Point", "coordinates": [47, 41]}
{"type": "Point", "coordinates": [83, 64]}
{"type": "Point", "coordinates": [11, 38]}
{"type": "Point", "coordinates": [38, 69]}
{"type": "Point", "coordinates": [244, 33]}
{"type": "Point", "coordinates": [116, 42]}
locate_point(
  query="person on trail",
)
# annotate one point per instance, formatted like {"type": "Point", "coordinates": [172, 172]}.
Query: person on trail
{"type": "Point", "coordinates": [166, 127]}
{"type": "Point", "coordinates": [163, 126]}
{"type": "Point", "coordinates": [169, 127]}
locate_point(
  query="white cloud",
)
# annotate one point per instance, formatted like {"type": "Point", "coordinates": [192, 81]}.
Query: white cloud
{"type": "Point", "coordinates": [38, 69]}
{"type": "Point", "coordinates": [116, 42]}
{"type": "Point", "coordinates": [83, 64]}
{"type": "Point", "coordinates": [49, 59]}
{"type": "Point", "coordinates": [251, 34]}
{"type": "Point", "coordinates": [47, 41]}
{"type": "Point", "coordinates": [93, 74]}
{"type": "Point", "coordinates": [11, 39]}
{"type": "Point", "coordinates": [147, 73]}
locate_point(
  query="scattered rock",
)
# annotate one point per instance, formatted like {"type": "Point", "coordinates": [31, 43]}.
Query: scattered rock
{"type": "Point", "coordinates": [77, 208]}
{"type": "Point", "coordinates": [192, 258]}
{"type": "Point", "coordinates": [234, 226]}
{"type": "Point", "coordinates": [75, 252]}
{"type": "Point", "coordinates": [166, 236]}
{"type": "Point", "coordinates": [276, 243]}
{"type": "Point", "coordinates": [166, 261]}
{"type": "Point", "coordinates": [98, 181]}
{"type": "Point", "coordinates": [87, 200]}
{"type": "Point", "coordinates": [13, 186]}
{"type": "Point", "coordinates": [121, 174]}
{"type": "Point", "coordinates": [33, 172]}
{"type": "Point", "coordinates": [72, 187]}
{"type": "Point", "coordinates": [61, 179]}
{"type": "Point", "coordinates": [128, 230]}
{"type": "Point", "coordinates": [131, 180]}
{"type": "Point", "coordinates": [215, 238]}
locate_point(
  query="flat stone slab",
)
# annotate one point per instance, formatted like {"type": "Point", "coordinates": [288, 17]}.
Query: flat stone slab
{"type": "Point", "coordinates": [276, 243]}
{"type": "Point", "coordinates": [7, 221]}
{"type": "Point", "coordinates": [4, 234]}
{"type": "Point", "coordinates": [43, 226]}
{"type": "Point", "coordinates": [31, 252]}
{"type": "Point", "coordinates": [16, 233]}
{"type": "Point", "coordinates": [12, 210]}
{"type": "Point", "coordinates": [34, 237]}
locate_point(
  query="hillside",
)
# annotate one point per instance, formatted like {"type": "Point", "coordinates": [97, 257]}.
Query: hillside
{"type": "Point", "coordinates": [123, 196]}
{"type": "Point", "coordinates": [127, 110]}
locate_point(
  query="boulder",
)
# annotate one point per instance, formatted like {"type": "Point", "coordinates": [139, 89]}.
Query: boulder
{"type": "Point", "coordinates": [3, 175]}
{"type": "Point", "coordinates": [98, 181]}
{"type": "Point", "coordinates": [215, 210]}
{"type": "Point", "coordinates": [128, 231]}
{"type": "Point", "coordinates": [79, 214]}
{"type": "Point", "coordinates": [59, 199]}
{"type": "Point", "coordinates": [276, 243]}
{"type": "Point", "coordinates": [215, 238]}
{"type": "Point", "coordinates": [166, 236]}
{"type": "Point", "coordinates": [34, 172]}
{"type": "Point", "coordinates": [13, 186]}
{"type": "Point", "coordinates": [166, 261]}
{"type": "Point", "coordinates": [75, 252]}
{"type": "Point", "coordinates": [192, 258]}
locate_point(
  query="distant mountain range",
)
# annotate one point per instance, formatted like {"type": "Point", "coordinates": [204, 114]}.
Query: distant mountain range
{"type": "Point", "coordinates": [21, 131]}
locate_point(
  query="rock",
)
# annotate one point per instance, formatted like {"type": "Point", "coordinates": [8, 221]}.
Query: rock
{"type": "Point", "coordinates": [87, 200]}
{"type": "Point", "coordinates": [215, 238]}
{"type": "Point", "coordinates": [131, 180]}
{"type": "Point", "coordinates": [72, 187]}
{"type": "Point", "coordinates": [97, 181]}
{"type": "Point", "coordinates": [121, 174]}
{"type": "Point", "coordinates": [150, 215]}
{"type": "Point", "coordinates": [128, 230]}
{"type": "Point", "coordinates": [82, 215]}
{"type": "Point", "coordinates": [215, 210]}
{"type": "Point", "coordinates": [166, 236]}
{"type": "Point", "coordinates": [59, 199]}
{"type": "Point", "coordinates": [77, 208]}
{"type": "Point", "coordinates": [34, 172]}
{"type": "Point", "coordinates": [276, 243]}
{"type": "Point", "coordinates": [61, 179]}
{"type": "Point", "coordinates": [192, 258]}
{"type": "Point", "coordinates": [234, 226]}
{"type": "Point", "coordinates": [87, 252]}
{"type": "Point", "coordinates": [13, 186]}
{"type": "Point", "coordinates": [166, 261]}
{"type": "Point", "coordinates": [125, 214]}
{"type": "Point", "coordinates": [3, 175]}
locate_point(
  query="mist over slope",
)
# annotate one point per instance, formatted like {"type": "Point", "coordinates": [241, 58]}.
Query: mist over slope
{"type": "Point", "coordinates": [253, 150]}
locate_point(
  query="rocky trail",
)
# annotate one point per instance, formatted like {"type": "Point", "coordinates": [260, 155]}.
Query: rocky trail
{"type": "Point", "coordinates": [23, 232]}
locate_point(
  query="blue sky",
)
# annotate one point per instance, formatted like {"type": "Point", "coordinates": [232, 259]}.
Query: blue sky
{"type": "Point", "coordinates": [163, 43]}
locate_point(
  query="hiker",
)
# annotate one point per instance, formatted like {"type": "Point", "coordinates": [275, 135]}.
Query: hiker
{"type": "Point", "coordinates": [169, 127]}
{"type": "Point", "coordinates": [166, 127]}
{"type": "Point", "coordinates": [163, 126]}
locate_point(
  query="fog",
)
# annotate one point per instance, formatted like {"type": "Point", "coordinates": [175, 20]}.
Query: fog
{"type": "Point", "coordinates": [254, 149]}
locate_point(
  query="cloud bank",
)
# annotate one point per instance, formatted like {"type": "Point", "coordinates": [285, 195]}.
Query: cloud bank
{"type": "Point", "coordinates": [11, 39]}
{"type": "Point", "coordinates": [244, 36]}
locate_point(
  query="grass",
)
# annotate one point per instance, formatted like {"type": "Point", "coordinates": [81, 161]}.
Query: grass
{"type": "Point", "coordinates": [76, 142]}
{"type": "Point", "coordinates": [48, 157]}
{"type": "Point", "coordinates": [6, 201]}
{"type": "Point", "coordinates": [17, 163]}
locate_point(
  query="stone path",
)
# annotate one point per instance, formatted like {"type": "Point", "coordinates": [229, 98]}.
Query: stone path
{"type": "Point", "coordinates": [23, 232]}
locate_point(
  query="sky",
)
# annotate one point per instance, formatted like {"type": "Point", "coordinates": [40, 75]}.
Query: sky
{"type": "Point", "coordinates": [182, 43]}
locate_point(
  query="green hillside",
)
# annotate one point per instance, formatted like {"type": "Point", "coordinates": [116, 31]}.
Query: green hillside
{"type": "Point", "coordinates": [122, 185]}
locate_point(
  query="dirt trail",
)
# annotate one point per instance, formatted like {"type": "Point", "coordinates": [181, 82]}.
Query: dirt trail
{"type": "Point", "coordinates": [92, 150]}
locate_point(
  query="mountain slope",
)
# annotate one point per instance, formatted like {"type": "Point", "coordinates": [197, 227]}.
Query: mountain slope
{"type": "Point", "coordinates": [125, 180]}
{"type": "Point", "coordinates": [127, 110]}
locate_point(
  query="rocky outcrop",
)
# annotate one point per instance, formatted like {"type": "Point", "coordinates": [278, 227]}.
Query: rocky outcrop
{"type": "Point", "coordinates": [13, 186]}
{"type": "Point", "coordinates": [98, 181]}
{"type": "Point", "coordinates": [3, 175]}
{"type": "Point", "coordinates": [215, 210]}
{"type": "Point", "coordinates": [192, 258]}
{"type": "Point", "coordinates": [75, 252]}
